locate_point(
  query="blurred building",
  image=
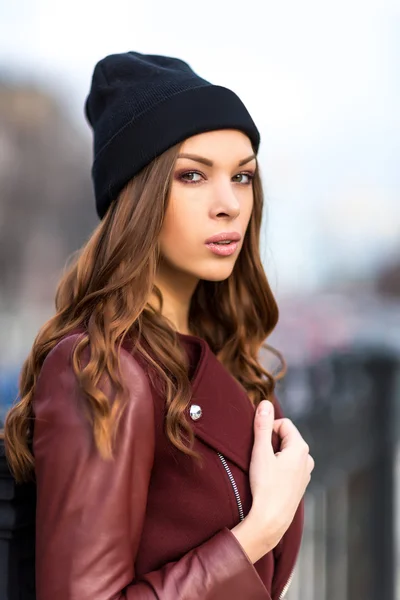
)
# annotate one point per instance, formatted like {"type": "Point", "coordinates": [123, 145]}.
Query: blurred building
{"type": "Point", "coordinates": [46, 207]}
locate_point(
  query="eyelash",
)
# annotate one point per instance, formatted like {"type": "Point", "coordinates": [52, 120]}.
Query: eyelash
{"type": "Point", "coordinates": [181, 177]}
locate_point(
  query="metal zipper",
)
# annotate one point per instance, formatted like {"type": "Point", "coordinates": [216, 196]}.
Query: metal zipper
{"type": "Point", "coordinates": [287, 586]}
{"type": "Point", "coordinates": [241, 515]}
{"type": "Point", "coordinates": [234, 486]}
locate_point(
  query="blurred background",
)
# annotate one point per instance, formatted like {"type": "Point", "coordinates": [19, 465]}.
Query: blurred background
{"type": "Point", "coordinates": [321, 81]}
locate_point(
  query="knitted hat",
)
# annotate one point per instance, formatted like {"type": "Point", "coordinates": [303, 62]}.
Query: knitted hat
{"type": "Point", "coordinates": [140, 105]}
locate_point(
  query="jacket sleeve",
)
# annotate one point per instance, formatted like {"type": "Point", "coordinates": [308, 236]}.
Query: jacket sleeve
{"type": "Point", "coordinates": [90, 511]}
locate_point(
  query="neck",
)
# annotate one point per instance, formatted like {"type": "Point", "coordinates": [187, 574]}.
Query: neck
{"type": "Point", "coordinates": [177, 289]}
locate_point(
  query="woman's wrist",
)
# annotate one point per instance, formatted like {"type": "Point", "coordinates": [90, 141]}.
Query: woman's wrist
{"type": "Point", "coordinates": [252, 538]}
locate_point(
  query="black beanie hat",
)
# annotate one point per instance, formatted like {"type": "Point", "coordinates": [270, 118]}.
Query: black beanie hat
{"type": "Point", "coordinates": [140, 105]}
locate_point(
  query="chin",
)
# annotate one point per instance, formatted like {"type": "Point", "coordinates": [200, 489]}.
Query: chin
{"type": "Point", "coordinates": [217, 272]}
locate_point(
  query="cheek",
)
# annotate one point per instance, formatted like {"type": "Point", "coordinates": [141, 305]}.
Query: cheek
{"type": "Point", "coordinates": [246, 210]}
{"type": "Point", "coordinates": [180, 228]}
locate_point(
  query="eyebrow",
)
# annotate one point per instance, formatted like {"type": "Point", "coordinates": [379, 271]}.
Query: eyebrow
{"type": "Point", "coordinates": [209, 163]}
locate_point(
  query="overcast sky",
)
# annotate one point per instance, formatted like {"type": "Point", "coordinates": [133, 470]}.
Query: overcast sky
{"type": "Point", "coordinates": [320, 79]}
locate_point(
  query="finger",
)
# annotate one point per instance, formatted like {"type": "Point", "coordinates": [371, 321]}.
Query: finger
{"type": "Point", "coordinates": [288, 433]}
{"type": "Point", "coordinates": [263, 425]}
{"type": "Point", "coordinates": [310, 464]}
{"type": "Point", "coordinates": [265, 414]}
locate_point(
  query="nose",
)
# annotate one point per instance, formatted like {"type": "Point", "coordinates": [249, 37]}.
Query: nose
{"type": "Point", "coordinates": [225, 203]}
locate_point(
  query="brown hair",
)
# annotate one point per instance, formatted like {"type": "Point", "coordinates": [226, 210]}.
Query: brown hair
{"type": "Point", "coordinates": [105, 294]}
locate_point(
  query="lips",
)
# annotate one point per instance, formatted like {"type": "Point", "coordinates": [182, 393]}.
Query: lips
{"type": "Point", "coordinates": [223, 244]}
{"type": "Point", "coordinates": [226, 236]}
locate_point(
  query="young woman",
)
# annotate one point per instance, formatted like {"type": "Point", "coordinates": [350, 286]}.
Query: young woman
{"type": "Point", "coordinates": [162, 464]}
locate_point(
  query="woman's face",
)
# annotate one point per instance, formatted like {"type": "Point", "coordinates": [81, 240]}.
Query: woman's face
{"type": "Point", "coordinates": [210, 205]}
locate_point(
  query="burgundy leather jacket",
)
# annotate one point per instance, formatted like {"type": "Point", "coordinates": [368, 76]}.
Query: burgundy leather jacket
{"type": "Point", "coordinates": [151, 523]}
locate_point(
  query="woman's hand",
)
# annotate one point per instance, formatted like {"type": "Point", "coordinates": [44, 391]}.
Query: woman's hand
{"type": "Point", "coordinates": [278, 482]}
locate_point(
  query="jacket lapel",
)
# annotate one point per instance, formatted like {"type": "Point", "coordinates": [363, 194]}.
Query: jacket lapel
{"type": "Point", "coordinates": [227, 415]}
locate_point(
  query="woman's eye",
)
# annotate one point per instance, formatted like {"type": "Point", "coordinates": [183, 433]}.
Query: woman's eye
{"type": "Point", "coordinates": [244, 178]}
{"type": "Point", "coordinates": [191, 176]}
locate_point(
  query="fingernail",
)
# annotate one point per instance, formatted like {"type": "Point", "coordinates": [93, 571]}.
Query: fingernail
{"type": "Point", "coordinates": [264, 408]}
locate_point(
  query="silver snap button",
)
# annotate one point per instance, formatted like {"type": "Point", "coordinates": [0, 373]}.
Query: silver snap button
{"type": "Point", "coordinates": [195, 412]}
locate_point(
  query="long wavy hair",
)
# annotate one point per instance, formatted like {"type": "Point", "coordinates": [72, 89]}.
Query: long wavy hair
{"type": "Point", "coordinates": [105, 294]}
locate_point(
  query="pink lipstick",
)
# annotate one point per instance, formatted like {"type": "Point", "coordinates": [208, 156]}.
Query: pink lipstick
{"type": "Point", "coordinates": [224, 244]}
